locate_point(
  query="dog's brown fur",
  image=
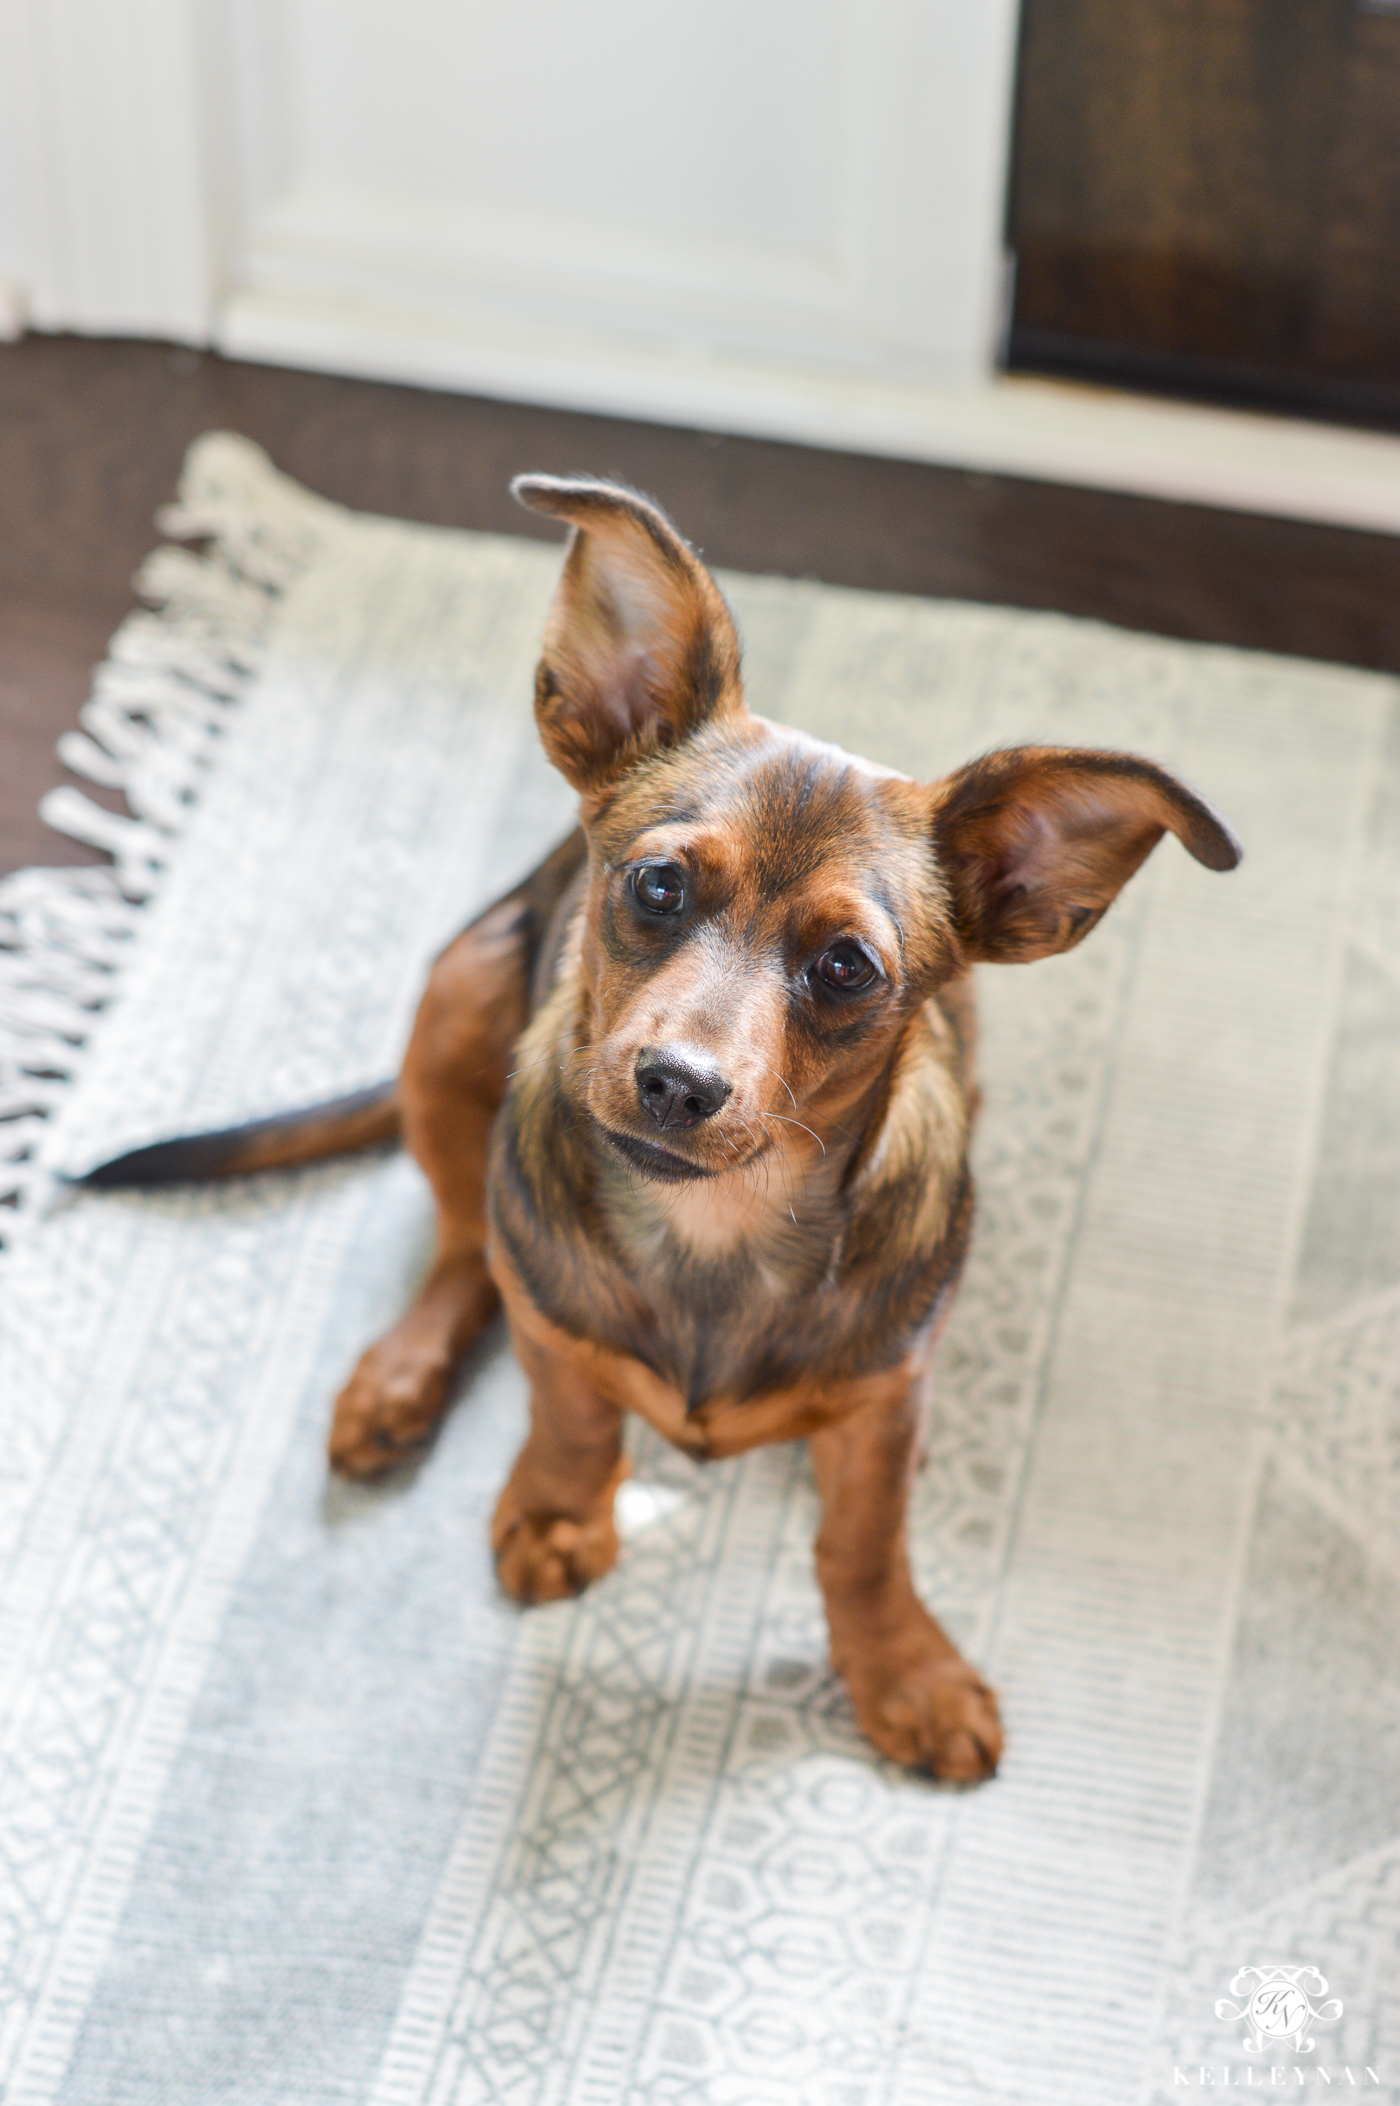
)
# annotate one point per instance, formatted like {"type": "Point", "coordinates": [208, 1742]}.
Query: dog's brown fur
{"type": "Point", "coordinates": [708, 1186]}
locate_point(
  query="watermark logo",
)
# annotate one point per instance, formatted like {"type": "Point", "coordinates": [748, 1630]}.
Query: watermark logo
{"type": "Point", "coordinates": [1279, 2007]}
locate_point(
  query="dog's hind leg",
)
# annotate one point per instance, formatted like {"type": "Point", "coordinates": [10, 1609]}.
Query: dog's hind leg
{"type": "Point", "coordinates": [914, 1694]}
{"type": "Point", "coordinates": [454, 1078]}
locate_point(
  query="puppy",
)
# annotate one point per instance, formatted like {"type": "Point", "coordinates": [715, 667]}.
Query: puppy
{"type": "Point", "coordinates": [694, 1099]}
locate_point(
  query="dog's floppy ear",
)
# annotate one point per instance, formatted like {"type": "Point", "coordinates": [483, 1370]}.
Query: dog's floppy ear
{"type": "Point", "coordinates": [639, 647]}
{"type": "Point", "coordinates": [1036, 841]}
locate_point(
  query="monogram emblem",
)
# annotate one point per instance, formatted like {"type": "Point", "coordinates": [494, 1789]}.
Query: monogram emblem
{"type": "Point", "coordinates": [1279, 2006]}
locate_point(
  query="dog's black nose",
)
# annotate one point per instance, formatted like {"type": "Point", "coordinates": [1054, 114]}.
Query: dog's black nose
{"type": "Point", "coordinates": [678, 1086]}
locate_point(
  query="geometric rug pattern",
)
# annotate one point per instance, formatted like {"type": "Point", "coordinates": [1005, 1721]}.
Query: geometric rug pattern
{"type": "Point", "coordinates": [295, 1807]}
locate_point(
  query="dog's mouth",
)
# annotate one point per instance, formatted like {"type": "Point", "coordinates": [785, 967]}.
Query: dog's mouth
{"type": "Point", "coordinates": [657, 1162]}
{"type": "Point", "coordinates": [664, 1164]}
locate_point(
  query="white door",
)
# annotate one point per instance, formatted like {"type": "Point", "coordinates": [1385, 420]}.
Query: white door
{"type": "Point", "coordinates": [639, 205]}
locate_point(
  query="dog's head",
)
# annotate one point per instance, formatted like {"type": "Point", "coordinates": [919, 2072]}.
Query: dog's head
{"type": "Point", "coordinates": [765, 912]}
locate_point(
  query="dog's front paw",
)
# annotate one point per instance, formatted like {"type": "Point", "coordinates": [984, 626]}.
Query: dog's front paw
{"type": "Point", "coordinates": [388, 1408]}
{"type": "Point", "coordinates": [547, 1557]}
{"type": "Point", "coordinates": [927, 1708]}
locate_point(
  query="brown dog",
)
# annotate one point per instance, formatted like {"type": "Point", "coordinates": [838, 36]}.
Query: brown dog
{"type": "Point", "coordinates": [694, 1100]}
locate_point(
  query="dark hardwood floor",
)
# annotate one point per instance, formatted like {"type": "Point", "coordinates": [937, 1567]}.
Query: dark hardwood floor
{"type": "Point", "coordinates": [92, 433]}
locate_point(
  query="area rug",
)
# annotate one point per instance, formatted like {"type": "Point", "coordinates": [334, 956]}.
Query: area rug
{"type": "Point", "coordinates": [297, 1810]}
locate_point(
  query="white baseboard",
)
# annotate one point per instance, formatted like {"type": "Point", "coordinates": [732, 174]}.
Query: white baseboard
{"type": "Point", "coordinates": [1008, 425]}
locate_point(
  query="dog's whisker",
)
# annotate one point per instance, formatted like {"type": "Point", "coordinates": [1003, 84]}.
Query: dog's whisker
{"type": "Point", "coordinates": [779, 1078]}
{"type": "Point", "coordinates": [526, 1065]}
{"type": "Point", "coordinates": [795, 1122]}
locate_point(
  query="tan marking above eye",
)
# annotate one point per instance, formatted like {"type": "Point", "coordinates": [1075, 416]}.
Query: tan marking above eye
{"type": "Point", "coordinates": [697, 855]}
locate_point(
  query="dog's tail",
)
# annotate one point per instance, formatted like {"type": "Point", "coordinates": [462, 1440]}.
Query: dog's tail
{"type": "Point", "coordinates": [362, 1120]}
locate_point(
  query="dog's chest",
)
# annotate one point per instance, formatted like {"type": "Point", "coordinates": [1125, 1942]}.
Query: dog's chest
{"type": "Point", "coordinates": [728, 1289]}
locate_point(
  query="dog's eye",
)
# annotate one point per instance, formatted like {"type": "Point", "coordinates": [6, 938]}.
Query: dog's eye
{"type": "Point", "coordinates": [846, 966]}
{"type": "Point", "coordinates": [659, 887]}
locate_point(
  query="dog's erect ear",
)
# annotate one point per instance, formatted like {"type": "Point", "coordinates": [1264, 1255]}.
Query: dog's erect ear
{"type": "Point", "coordinates": [639, 647]}
{"type": "Point", "coordinates": [1035, 842]}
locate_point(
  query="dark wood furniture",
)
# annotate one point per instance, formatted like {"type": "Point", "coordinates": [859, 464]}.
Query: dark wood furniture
{"type": "Point", "coordinates": [1205, 196]}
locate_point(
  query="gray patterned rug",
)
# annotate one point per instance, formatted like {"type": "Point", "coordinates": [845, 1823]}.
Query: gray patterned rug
{"type": "Point", "coordinates": [297, 1809]}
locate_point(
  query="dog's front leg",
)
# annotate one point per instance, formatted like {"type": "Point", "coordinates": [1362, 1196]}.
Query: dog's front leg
{"type": "Point", "coordinates": [553, 1530]}
{"type": "Point", "coordinates": [915, 1696]}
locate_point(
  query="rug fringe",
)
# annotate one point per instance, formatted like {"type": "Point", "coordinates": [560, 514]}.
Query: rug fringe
{"type": "Point", "coordinates": [151, 729]}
